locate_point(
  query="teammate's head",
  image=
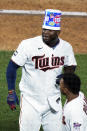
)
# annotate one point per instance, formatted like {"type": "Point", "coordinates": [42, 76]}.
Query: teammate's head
{"type": "Point", "coordinates": [70, 82]}
{"type": "Point", "coordinates": [51, 26]}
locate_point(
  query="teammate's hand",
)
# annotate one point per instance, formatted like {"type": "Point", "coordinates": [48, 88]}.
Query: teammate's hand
{"type": "Point", "coordinates": [12, 99]}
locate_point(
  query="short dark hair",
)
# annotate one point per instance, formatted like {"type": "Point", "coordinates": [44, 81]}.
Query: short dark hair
{"type": "Point", "coordinates": [72, 81]}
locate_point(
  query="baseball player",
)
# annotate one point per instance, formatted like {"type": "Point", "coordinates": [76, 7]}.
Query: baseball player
{"type": "Point", "coordinates": [42, 59]}
{"type": "Point", "coordinates": [75, 107]}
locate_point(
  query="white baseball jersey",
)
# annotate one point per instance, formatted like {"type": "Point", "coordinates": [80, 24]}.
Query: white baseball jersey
{"type": "Point", "coordinates": [40, 66]}
{"type": "Point", "coordinates": [75, 115]}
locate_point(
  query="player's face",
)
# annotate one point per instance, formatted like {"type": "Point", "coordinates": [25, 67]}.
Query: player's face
{"type": "Point", "coordinates": [49, 36]}
{"type": "Point", "coordinates": [62, 86]}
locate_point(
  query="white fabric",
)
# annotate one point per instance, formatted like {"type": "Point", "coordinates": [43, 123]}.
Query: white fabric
{"type": "Point", "coordinates": [55, 102]}
{"type": "Point", "coordinates": [51, 121]}
{"type": "Point", "coordinates": [51, 28]}
{"type": "Point", "coordinates": [74, 118]}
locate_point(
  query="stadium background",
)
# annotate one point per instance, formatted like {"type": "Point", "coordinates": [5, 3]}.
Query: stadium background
{"type": "Point", "coordinates": [14, 28]}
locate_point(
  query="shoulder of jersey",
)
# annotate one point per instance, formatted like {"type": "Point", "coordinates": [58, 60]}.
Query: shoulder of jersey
{"type": "Point", "coordinates": [64, 43]}
{"type": "Point", "coordinates": [74, 105]}
{"type": "Point", "coordinates": [32, 41]}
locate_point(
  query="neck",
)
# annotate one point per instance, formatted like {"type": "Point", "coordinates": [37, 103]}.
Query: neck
{"type": "Point", "coordinates": [71, 96]}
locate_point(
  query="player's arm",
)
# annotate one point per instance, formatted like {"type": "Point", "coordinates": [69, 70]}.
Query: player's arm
{"type": "Point", "coordinates": [18, 59]}
{"type": "Point", "coordinates": [12, 98]}
{"type": "Point", "coordinates": [67, 69]}
{"type": "Point", "coordinates": [69, 63]}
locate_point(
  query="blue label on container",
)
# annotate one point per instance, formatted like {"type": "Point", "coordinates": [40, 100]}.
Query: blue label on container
{"type": "Point", "coordinates": [52, 19]}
